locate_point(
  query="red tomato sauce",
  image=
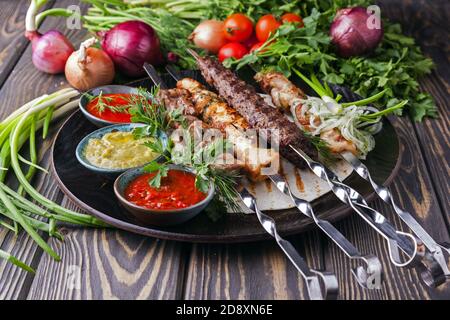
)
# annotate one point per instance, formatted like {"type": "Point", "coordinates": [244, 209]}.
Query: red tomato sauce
{"type": "Point", "coordinates": [177, 191]}
{"type": "Point", "coordinates": [117, 100]}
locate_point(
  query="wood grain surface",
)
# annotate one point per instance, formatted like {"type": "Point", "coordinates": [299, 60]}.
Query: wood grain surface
{"type": "Point", "coordinates": [118, 265]}
{"type": "Point", "coordinates": [433, 136]}
{"type": "Point", "coordinates": [13, 42]}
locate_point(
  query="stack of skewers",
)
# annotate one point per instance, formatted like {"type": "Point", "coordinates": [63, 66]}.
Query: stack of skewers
{"type": "Point", "coordinates": [237, 106]}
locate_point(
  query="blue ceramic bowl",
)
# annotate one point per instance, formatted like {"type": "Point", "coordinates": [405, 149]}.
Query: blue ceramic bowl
{"type": "Point", "coordinates": [98, 134]}
{"type": "Point", "coordinates": [158, 217]}
{"type": "Point", "coordinates": [84, 100]}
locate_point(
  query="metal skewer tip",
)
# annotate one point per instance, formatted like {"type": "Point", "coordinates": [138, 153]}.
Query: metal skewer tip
{"type": "Point", "coordinates": [154, 75]}
{"type": "Point", "coordinates": [173, 72]}
{"type": "Point", "coordinates": [193, 53]}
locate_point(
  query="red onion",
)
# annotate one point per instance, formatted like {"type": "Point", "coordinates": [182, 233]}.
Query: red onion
{"type": "Point", "coordinates": [354, 32]}
{"type": "Point", "coordinates": [130, 44]}
{"type": "Point", "coordinates": [51, 49]}
{"type": "Point", "coordinates": [172, 57]}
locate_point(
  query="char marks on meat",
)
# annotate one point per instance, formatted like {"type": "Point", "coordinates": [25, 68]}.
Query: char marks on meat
{"type": "Point", "coordinates": [177, 99]}
{"type": "Point", "coordinates": [255, 110]}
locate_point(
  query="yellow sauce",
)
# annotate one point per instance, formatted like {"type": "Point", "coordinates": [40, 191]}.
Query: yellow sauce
{"type": "Point", "coordinates": [119, 150]}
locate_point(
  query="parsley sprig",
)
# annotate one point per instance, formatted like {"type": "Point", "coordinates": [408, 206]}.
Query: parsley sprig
{"type": "Point", "coordinates": [201, 159]}
{"type": "Point", "coordinates": [394, 67]}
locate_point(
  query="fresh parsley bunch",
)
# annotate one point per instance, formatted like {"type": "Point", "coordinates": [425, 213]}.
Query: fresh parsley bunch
{"type": "Point", "coordinates": [396, 65]}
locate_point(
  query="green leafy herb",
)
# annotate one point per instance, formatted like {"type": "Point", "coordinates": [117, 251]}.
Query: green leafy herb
{"type": "Point", "coordinates": [396, 65]}
{"type": "Point", "coordinates": [146, 109]}
{"type": "Point", "coordinates": [394, 68]}
{"type": "Point", "coordinates": [103, 103]}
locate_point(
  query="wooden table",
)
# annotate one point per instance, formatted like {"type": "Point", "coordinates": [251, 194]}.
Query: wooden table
{"type": "Point", "coordinates": [110, 264]}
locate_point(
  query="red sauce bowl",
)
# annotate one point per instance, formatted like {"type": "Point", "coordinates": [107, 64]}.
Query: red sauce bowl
{"type": "Point", "coordinates": [105, 91]}
{"type": "Point", "coordinates": [158, 217]}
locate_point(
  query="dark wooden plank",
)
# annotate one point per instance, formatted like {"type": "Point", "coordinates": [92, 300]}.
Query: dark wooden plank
{"type": "Point", "coordinates": [12, 40]}
{"type": "Point", "coordinates": [125, 265]}
{"type": "Point", "coordinates": [24, 84]}
{"type": "Point", "coordinates": [250, 270]}
{"type": "Point", "coordinates": [109, 264]}
{"type": "Point", "coordinates": [431, 33]}
{"type": "Point", "coordinates": [413, 188]}
{"type": "Point", "coordinates": [414, 192]}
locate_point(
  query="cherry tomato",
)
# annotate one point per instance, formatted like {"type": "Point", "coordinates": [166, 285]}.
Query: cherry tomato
{"type": "Point", "coordinates": [238, 27]}
{"type": "Point", "coordinates": [233, 49]}
{"type": "Point", "coordinates": [250, 41]}
{"type": "Point", "coordinates": [292, 17]}
{"type": "Point", "coordinates": [256, 46]}
{"type": "Point", "coordinates": [266, 25]}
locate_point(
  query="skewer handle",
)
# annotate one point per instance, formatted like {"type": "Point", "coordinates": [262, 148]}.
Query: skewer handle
{"type": "Point", "coordinates": [367, 277]}
{"type": "Point", "coordinates": [396, 239]}
{"type": "Point", "coordinates": [154, 76]}
{"type": "Point", "coordinates": [436, 250]}
{"type": "Point", "coordinates": [313, 278]}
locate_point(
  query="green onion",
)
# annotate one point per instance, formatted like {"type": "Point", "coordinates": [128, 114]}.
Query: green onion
{"type": "Point", "coordinates": [17, 262]}
{"type": "Point", "coordinates": [18, 128]}
{"type": "Point", "coordinates": [364, 102]}
{"type": "Point", "coordinates": [376, 115]}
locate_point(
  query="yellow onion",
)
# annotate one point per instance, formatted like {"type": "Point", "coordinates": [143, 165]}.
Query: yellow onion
{"type": "Point", "coordinates": [209, 35]}
{"type": "Point", "coordinates": [89, 67]}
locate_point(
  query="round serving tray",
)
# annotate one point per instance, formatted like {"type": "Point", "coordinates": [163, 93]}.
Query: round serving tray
{"type": "Point", "coordinates": [94, 193]}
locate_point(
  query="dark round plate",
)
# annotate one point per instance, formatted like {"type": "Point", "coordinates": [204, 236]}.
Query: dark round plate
{"type": "Point", "coordinates": [94, 193]}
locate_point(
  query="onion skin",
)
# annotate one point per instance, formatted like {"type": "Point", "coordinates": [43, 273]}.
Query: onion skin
{"type": "Point", "coordinates": [209, 35]}
{"type": "Point", "coordinates": [97, 70]}
{"type": "Point", "coordinates": [350, 34]}
{"type": "Point", "coordinates": [172, 57]}
{"type": "Point", "coordinates": [130, 44]}
{"type": "Point", "coordinates": [50, 50]}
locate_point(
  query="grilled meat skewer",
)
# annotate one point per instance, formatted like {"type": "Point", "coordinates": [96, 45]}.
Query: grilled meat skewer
{"type": "Point", "coordinates": [216, 113]}
{"type": "Point", "coordinates": [177, 99]}
{"type": "Point", "coordinates": [181, 98]}
{"type": "Point", "coordinates": [285, 95]}
{"type": "Point", "coordinates": [256, 111]}
{"type": "Point", "coordinates": [226, 161]}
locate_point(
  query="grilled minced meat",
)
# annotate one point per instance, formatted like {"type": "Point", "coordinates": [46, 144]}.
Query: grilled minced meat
{"type": "Point", "coordinates": [216, 113]}
{"type": "Point", "coordinates": [257, 112]}
{"type": "Point", "coordinates": [285, 95]}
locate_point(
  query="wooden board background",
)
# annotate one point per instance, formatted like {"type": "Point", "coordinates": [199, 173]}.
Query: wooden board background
{"type": "Point", "coordinates": [113, 264]}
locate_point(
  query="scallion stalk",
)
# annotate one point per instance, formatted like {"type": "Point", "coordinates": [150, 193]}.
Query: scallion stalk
{"type": "Point", "coordinates": [18, 128]}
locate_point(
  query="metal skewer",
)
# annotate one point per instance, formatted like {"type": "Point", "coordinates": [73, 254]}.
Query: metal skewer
{"type": "Point", "coordinates": [407, 243]}
{"type": "Point", "coordinates": [368, 277]}
{"type": "Point", "coordinates": [365, 276]}
{"type": "Point", "coordinates": [154, 76]}
{"type": "Point", "coordinates": [430, 270]}
{"type": "Point", "coordinates": [436, 250]}
{"type": "Point", "coordinates": [321, 285]}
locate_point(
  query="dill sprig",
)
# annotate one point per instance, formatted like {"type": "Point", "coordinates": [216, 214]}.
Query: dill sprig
{"type": "Point", "coordinates": [145, 108]}
{"type": "Point", "coordinates": [321, 146]}
{"type": "Point", "coordinates": [103, 103]}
